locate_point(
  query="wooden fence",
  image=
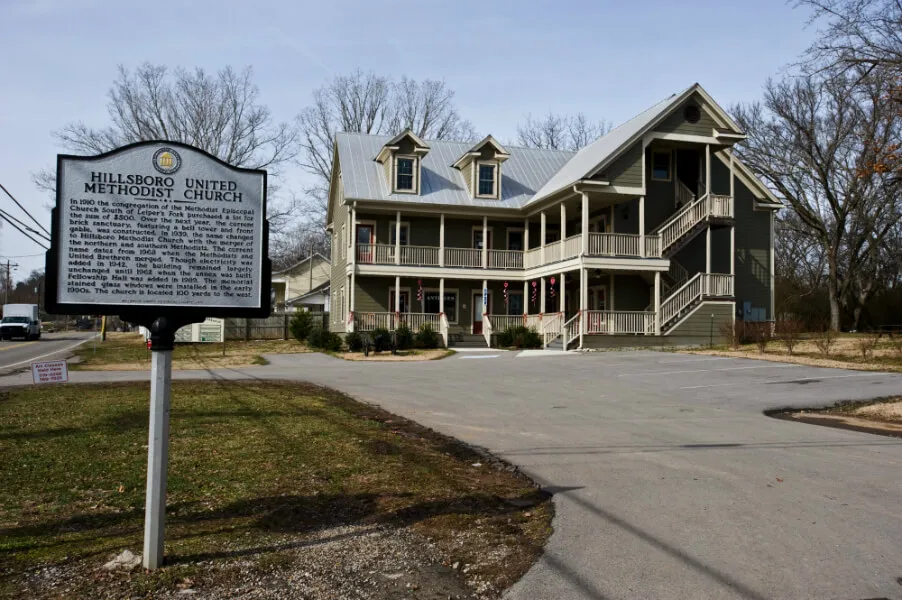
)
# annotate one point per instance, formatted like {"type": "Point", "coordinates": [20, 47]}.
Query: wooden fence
{"type": "Point", "coordinates": [274, 327]}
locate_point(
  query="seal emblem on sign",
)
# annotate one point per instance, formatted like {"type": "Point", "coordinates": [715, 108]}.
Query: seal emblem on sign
{"type": "Point", "coordinates": [167, 161]}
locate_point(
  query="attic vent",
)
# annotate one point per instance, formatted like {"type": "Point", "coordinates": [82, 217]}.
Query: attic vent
{"type": "Point", "coordinates": [692, 113]}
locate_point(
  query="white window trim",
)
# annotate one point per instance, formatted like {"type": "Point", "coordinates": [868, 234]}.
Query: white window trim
{"type": "Point", "coordinates": [391, 297]}
{"type": "Point", "coordinates": [391, 231]}
{"type": "Point", "coordinates": [416, 174]}
{"type": "Point", "coordinates": [456, 304]}
{"type": "Point", "coordinates": [507, 236]}
{"type": "Point", "coordinates": [344, 247]}
{"type": "Point", "coordinates": [669, 154]}
{"type": "Point", "coordinates": [497, 167]}
{"type": "Point", "coordinates": [479, 229]}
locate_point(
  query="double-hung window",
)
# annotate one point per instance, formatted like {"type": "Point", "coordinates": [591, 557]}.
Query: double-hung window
{"type": "Point", "coordinates": [487, 180]}
{"type": "Point", "coordinates": [405, 174]}
{"type": "Point", "coordinates": [660, 166]}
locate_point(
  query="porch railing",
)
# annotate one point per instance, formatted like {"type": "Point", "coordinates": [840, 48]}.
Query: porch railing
{"type": "Point", "coordinates": [613, 244]}
{"type": "Point", "coordinates": [653, 246]}
{"type": "Point", "coordinates": [416, 320]}
{"type": "Point", "coordinates": [571, 330]}
{"type": "Point", "coordinates": [572, 247]}
{"type": "Point", "coordinates": [534, 322]}
{"type": "Point", "coordinates": [463, 257]}
{"type": "Point", "coordinates": [532, 258]}
{"type": "Point", "coordinates": [422, 256]}
{"type": "Point", "coordinates": [376, 254]}
{"type": "Point", "coordinates": [364, 321]}
{"type": "Point", "coordinates": [718, 285]}
{"type": "Point", "coordinates": [504, 322]}
{"type": "Point", "coordinates": [505, 259]}
{"type": "Point", "coordinates": [553, 252]}
{"type": "Point", "coordinates": [620, 322]}
{"type": "Point", "coordinates": [721, 206]}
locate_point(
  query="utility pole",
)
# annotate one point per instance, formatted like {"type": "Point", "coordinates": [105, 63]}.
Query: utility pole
{"type": "Point", "coordinates": [9, 267]}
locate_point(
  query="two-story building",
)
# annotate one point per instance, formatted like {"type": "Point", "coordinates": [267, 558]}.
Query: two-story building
{"type": "Point", "coordinates": [653, 234]}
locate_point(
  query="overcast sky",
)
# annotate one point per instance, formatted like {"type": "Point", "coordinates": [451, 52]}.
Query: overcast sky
{"type": "Point", "coordinates": [505, 59]}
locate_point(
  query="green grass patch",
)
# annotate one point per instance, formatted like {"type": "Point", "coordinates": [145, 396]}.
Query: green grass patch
{"type": "Point", "coordinates": [254, 467]}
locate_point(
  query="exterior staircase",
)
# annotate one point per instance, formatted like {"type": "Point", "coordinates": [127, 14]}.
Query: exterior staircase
{"type": "Point", "coordinates": [687, 297]}
{"type": "Point", "coordinates": [693, 218]}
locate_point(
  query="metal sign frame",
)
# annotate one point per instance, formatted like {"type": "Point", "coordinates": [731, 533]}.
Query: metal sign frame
{"type": "Point", "coordinates": [139, 313]}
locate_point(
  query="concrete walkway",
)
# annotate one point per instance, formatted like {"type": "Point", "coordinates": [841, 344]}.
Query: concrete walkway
{"type": "Point", "coordinates": [669, 482]}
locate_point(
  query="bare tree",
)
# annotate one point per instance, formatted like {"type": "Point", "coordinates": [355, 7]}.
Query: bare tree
{"type": "Point", "coordinates": [559, 132]}
{"type": "Point", "coordinates": [217, 113]}
{"type": "Point", "coordinates": [813, 140]}
{"type": "Point", "coordinates": [370, 103]}
{"type": "Point", "coordinates": [858, 33]}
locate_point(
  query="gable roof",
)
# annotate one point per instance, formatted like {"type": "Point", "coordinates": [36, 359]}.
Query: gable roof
{"type": "Point", "coordinates": [529, 175]}
{"type": "Point", "coordinates": [440, 183]}
{"type": "Point", "coordinates": [300, 262]}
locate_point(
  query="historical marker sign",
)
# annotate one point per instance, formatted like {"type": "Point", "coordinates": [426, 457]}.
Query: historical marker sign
{"type": "Point", "coordinates": [165, 235]}
{"type": "Point", "coordinates": [160, 226]}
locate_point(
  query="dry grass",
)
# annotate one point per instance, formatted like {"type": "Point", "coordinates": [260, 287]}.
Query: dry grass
{"type": "Point", "coordinates": [128, 352]}
{"type": "Point", "coordinates": [401, 356]}
{"type": "Point", "coordinates": [256, 470]}
{"type": "Point", "coordinates": [845, 353]}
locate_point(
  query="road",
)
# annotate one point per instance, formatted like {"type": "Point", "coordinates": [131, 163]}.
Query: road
{"type": "Point", "coordinates": [17, 354]}
{"type": "Point", "coordinates": [668, 481]}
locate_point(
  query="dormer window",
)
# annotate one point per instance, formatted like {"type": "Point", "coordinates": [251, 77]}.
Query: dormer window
{"type": "Point", "coordinates": [402, 158]}
{"type": "Point", "coordinates": [405, 174]}
{"type": "Point", "coordinates": [487, 182]}
{"type": "Point", "coordinates": [481, 168]}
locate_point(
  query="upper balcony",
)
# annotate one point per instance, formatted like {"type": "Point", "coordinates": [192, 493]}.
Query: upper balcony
{"type": "Point", "coordinates": [660, 243]}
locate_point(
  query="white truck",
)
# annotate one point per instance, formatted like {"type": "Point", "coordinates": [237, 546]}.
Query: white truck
{"type": "Point", "coordinates": [20, 320]}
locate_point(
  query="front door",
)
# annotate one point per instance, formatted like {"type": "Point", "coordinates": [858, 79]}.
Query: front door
{"type": "Point", "coordinates": [365, 243]}
{"type": "Point", "coordinates": [478, 309]}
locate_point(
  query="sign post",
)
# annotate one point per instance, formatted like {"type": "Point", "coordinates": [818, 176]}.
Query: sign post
{"type": "Point", "coordinates": [164, 235]}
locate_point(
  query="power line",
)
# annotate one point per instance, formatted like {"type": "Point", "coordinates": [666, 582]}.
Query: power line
{"type": "Point", "coordinates": [24, 226]}
{"type": "Point", "coordinates": [36, 222]}
{"type": "Point", "coordinates": [24, 255]}
{"type": "Point", "coordinates": [4, 217]}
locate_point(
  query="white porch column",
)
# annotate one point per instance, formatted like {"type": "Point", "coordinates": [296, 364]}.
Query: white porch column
{"type": "Point", "coordinates": [563, 301]}
{"type": "Point", "coordinates": [583, 293]}
{"type": "Point", "coordinates": [585, 223]}
{"type": "Point", "coordinates": [441, 295]}
{"type": "Point", "coordinates": [352, 237]}
{"type": "Point", "coordinates": [526, 297]}
{"type": "Point", "coordinates": [398, 238]}
{"type": "Point", "coordinates": [542, 298]}
{"type": "Point", "coordinates": [642, 226]}
{"type": "Point", "coordinates": [732, 250]}
{"type": "Point", "coordinates": [657, 303]}
{"type": "Point", "coordinates": [563, 222]}
{"type": "Point", "coordinates": [350, 296]}
{"type": "Point", "coordinates": [397, 294]}
{"type": "Point", "coordinates": [542, 241]}
{"type": "Point", "coordinates": [732, 211]}
{"type": "Point", "coordinates": [708, 249]}
{"type": "Point", "coordinates": [525, 235]}
{"type": "Point", "coordinates": [485, 242]}
{"type": "Point", "coordinates": [441, 241]}
{"type": "Point", "coordinates": [707, 168]}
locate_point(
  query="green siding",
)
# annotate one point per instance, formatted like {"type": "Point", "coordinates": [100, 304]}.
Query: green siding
{"type": "Point", "coordinates": [468, 176]}
{"type": "Point", "coordinates": [659, 195]}
{"type": "Point", "coordinates": [626, 170]}
{"type": "Point", "coordinates": [699, 324]}
{"type": "Point", "coordinates": [753, 251]}
{"type": "Point", "coordinates": [631, 292]}
{"type": "Point", "coordinates": [677, 123]}
{"type": "Point", "coordinates": [337, 319]}
{"type": "Point", "coordinates": [371, 293]}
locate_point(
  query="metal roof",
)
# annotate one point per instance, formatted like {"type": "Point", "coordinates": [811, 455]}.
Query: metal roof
{"type": "Point", "coordinates": [527, 176]}
{"type": "Point", "coordinates": [522, 174]}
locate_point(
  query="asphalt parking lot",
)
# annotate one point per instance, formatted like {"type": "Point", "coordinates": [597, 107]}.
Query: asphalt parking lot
{"type": "Point", "coordinates": [669, 481]}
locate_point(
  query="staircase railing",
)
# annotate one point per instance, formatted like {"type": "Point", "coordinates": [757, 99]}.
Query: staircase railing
{"type": "Point", "coordinates": [718, 285]}
{"type": "Point", "coordinates": [684, 195]}
{"type": "Point", "coordinates": [682, 222]}
{"type": "Point", "coordinates": [678, 273]}
{"type": "Point", "coordinates": [443, 328]}
{"type": "Point", "coordinates": [571, 331]}
{"type": "Point", "coordinates": [551, 327]}
{"type": "Point", "coordinates": [688, 293]}
{"type": "Point", "coordinates": [487, 330]}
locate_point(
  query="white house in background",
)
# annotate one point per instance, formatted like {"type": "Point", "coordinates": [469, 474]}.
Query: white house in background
{"type": "Point", "coordinates": [302, 284]}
